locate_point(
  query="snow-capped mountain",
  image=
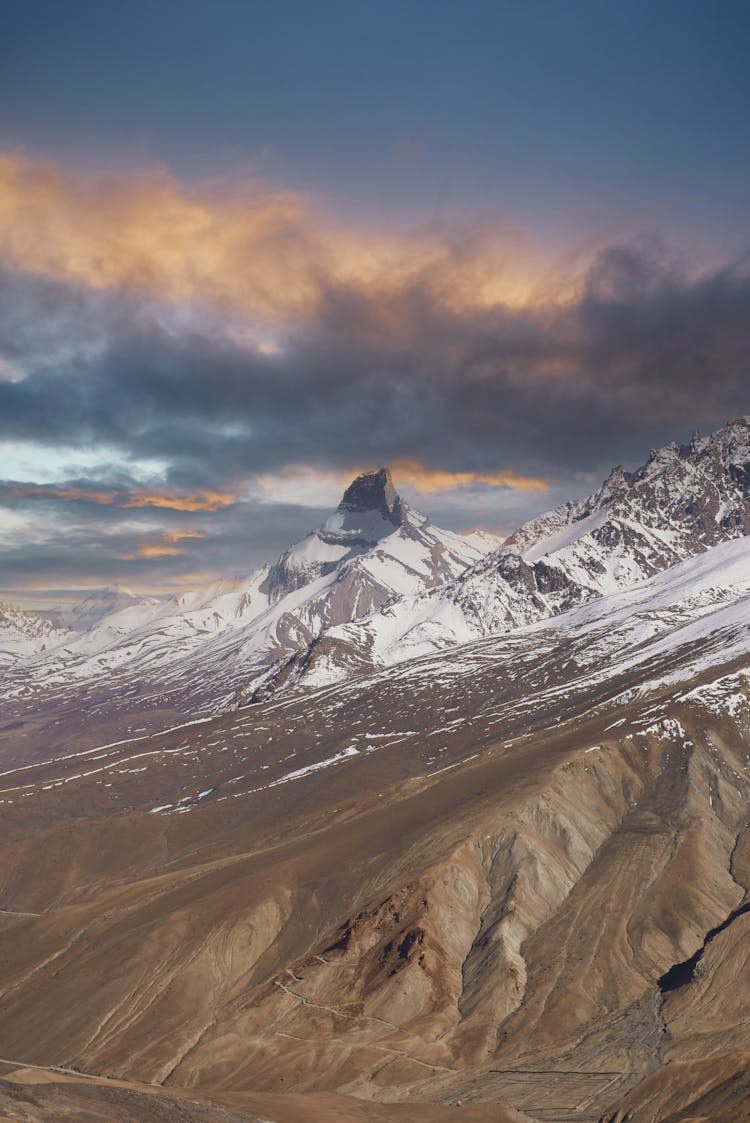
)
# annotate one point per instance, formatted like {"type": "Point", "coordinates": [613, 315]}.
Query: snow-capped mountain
{"type": "Point", "coordinates": [682, 501]}
{"type": "Point", "coordinates": [153, 661]}
{"type": "Point", "coordinates": [377, 547]}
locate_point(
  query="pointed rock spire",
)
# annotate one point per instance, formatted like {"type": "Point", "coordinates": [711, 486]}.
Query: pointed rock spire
{"type": "Point", "coordinates": [374, 491]}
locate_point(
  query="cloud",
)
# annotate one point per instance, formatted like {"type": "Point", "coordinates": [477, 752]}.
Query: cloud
{"type": "Point", "coordinates": [543, 392]}
{"type": "Point", "coordinates": [268, 254]}
{"type": "Point", "coordinates": [257, 373]}
{"type": "Point", "coordinates": [201, 501]}
{"type": "Point", "coordinates": [167, 544]}
{"type": "Point", "coordinates": [428, 481]}
{"type": "Point", "coordinates": [317, 487]}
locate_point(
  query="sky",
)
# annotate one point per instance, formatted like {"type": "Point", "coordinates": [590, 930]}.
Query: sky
{"type": "Point", "coordinates": [248, 250]}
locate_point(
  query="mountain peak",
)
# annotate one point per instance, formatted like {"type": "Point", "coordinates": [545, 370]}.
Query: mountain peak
{"type": "Point", "coordinates": [374, 491]}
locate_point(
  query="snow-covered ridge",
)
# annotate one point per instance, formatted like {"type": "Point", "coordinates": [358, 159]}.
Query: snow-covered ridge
{"type": "Point", "coordinates": [698, 490]}
{"type": "Point", "coordinates": [681, 502]}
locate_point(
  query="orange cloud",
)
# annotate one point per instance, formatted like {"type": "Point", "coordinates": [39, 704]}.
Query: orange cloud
{"type": "Point", "coordinates": [298, 483]}
{"type": "Point", "coordinates": [173, 501]}
{"type": "Point", "coordinates": [432, 480]}
{"type": "Point", "coordinates": [200, 501]}
{"type": "Point", "coordinates": [164, 545]}
{"type": "Point", "coordinates": [269, 255]}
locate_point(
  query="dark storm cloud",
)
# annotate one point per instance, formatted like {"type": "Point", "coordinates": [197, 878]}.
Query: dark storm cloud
{"type": "Point", "coordinates": [643, 353]}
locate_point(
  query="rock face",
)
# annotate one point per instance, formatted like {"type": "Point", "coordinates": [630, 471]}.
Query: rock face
{"type": "Point", "coordinates": [681, 502]}
{"type": "Point", "coordinates": [374, 491]}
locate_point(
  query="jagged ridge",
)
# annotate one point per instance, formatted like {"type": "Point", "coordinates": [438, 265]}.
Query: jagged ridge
{"type": "Point", "coordinates": [682, 501]}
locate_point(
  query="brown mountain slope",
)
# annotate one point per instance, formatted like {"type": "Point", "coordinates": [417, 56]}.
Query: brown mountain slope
{"type": "Point", "coordinates": [444, 883]}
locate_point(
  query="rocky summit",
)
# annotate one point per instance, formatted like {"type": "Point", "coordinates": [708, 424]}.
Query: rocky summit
{"type": "Point", "coordinates": [374, 491]}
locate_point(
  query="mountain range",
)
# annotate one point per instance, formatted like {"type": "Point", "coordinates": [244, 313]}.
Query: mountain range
{"type": "Point", "coordinates": [406, 826]}
{"type": "Point", "coordinates": [376, 584]}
